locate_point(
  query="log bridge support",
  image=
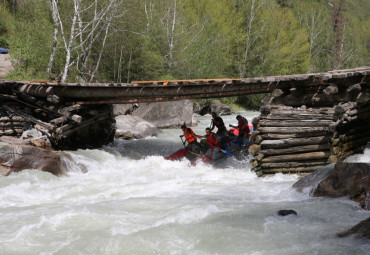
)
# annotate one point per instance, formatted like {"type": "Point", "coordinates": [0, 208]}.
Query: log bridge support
{"type": "Point", "coordinates": [303, 128]}
{"type": "Point", "coordinates": [306, 122]}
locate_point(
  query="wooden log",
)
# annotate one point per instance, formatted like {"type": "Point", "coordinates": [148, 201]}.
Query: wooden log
{"type": "Point", "coordinates": [297, 157]}
{"type": "Point", "coordinates": [359, 135]}
{"type": "Point", "coordinates": [288, 130]}
{"type": "Point", "coordinates": [313, 111]}
{"type": "Point", "coordinates": [277, 92]}
{"type": "Point", "coordinates": [270, 136]}
{"type": "Point", "coordinates": [291, 170]}
{"type": "Point", "coordinates": [12, 118]}
{"type": "Point", "coordinates": [297, 149]}
{"type": "Point", "coordinates": [294, 123]}
{"type": "Point", "coordinates": [59, 120]}
{"type": "Point", "coordinates": [296, 117]}
{"type": "Point", "coordinates": [69, 109]}
{"type": "Point", "coordinates": [67, 130]}
{"type": "Point", "coordinates": [259, 157]}
{"type": "Point", "coordinates": [294, 164]}
{"type": "Point", "coordinates": [271, 144]}
{"type": "Point", "coordinates": [356, 88]}
{"type": "Point", "coordinates": [342, 108]}
{"type": "Point", "coordinates": [330, 90]}
{"type": "Point", "coordinates": [350, 146]}
{"type": "Point", "coordinates": [254, 149]}
{"type": "Point", "coordinates": [30, 118]}
{"type": "Point", "coordinates": [10, 124]}
{"type": "Point", "coordinates": [12, 131]}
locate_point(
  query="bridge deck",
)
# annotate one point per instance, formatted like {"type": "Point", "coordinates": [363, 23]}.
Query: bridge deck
{"type": "Point", "coordinates": [154, 91]}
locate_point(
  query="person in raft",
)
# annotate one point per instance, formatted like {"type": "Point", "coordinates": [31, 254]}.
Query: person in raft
{"type": "Point", "coordinates": [190, 137]}
{"type": "Point", "coordinates": [214, 144]}
{"type": "Point", "coordinates": [218, 122]}
{"type": "Point", "coordinates": [243, 128]}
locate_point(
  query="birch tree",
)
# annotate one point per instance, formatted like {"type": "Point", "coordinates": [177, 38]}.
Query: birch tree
{"type": "Point", "coordinates": [78, 31]}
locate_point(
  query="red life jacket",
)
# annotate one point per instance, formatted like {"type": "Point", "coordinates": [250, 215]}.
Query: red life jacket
{"type": "Point", "coordinates": [240, 124]}
{"type": "Point", "coordinates": [211, 140]}
{"type": "Point", "coordinates": [191, 136]}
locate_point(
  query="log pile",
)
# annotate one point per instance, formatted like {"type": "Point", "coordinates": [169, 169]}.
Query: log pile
{"type": "Point", "coordinates": [291, 139]}
{"type": "Point", "coordinates": [352, 130]}
{"type": "Point", "coordinates": [303, 128]}
{"type": "Point", "coordinates": [66, 127]}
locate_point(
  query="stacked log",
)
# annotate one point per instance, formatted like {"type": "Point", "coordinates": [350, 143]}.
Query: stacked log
{"type": "Point", "coordinates": [292, 139]}
{"type": "Point", "coordinates": [352, 130]}
{"type": "Point", "coordinates": [66, 127]}
{"type": "Point", "coordinates": [10, 124]}
{"type": "Point", "coordinates": [303, 128]}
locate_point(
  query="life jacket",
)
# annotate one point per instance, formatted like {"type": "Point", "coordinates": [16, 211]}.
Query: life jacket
{"type": "Point", "coordinates": [240, 124]}
{"type": "Point", "coordinates": [191, 136]}
{"type": "Point", "coordinates": [212, 142]}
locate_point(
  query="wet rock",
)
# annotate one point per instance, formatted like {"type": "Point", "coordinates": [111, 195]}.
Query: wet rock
{"type": "Point", "coordinates": [18, 157]}
{"type": "Point", "coordinates": [286, 212]}
{"type": "Point", "coordinates": [361, 230]}
{"type": "Point", "coordinates": [130, 127]}
{"type": "Point", "coordinates": [347, 179]}
{"type": "Point", "coordinates": [6, 65]}
{"type": "Point", "coordinates": [219, 108]}
{"type": "Point", "coordinates": [312, 180]}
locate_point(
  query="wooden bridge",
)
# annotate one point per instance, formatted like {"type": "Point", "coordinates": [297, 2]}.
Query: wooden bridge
{"type": "Point", "coordinates": [308, 120]}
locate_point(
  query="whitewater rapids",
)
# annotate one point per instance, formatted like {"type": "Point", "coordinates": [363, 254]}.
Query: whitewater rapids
{"type": "Point", "coordinates": [132, 201]}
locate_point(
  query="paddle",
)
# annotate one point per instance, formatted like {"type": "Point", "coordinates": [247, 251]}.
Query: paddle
{"type": "Point", "coordinates": [226, 152]}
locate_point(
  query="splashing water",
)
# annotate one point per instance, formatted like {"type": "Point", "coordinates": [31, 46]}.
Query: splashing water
{"type": "Point", "coordinates": [132, 201]}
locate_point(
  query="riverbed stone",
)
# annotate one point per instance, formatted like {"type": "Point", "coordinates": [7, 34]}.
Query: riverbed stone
{"type": "Point", "coordinates": [286, 212]}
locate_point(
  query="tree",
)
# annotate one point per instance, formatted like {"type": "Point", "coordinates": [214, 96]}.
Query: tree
{"type": "Point", "coordinates": [79, 32]}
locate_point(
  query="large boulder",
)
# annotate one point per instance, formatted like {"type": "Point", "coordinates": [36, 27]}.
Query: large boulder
{"type": "Point", "coordinates": [167, 114]}
{"type": "Point", "coordinates": [347, 179]}
{"type": "Point", "coordinates": [361, 230]}
{"type": "Point", "coordinates": [130, 127]}
{"type": "Point", "coordinates": [161, 114]}
{"type": "Point", "coordinates": [15, 156]}
{"type": "Point", "coordinates": [312, 180]}
{"type": "Point", "coordinates": [339, 180]}
{"type": "Point", "coordinates": [219, 108]}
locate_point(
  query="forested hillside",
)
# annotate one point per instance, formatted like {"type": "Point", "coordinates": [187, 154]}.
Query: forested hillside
{"type": "Point", "coordinates": [127, 40]}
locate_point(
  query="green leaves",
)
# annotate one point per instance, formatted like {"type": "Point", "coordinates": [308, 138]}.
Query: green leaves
{"type": "Point", "coordinates": [185, 39]}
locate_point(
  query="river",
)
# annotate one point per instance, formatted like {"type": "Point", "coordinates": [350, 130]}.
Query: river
{"type": "Point", "coordinates": [132, 201]}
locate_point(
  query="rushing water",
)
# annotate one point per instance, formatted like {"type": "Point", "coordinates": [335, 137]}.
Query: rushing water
{"type": "Point", "coordinates": [132, 201]}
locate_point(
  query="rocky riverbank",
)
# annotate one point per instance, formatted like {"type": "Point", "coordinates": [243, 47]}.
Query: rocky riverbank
{"type": "Point", "coordinates": [342, 179]}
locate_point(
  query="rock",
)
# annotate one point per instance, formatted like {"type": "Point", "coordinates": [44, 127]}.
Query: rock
{"type": "Point", "coordinates": [15, 158]}
{"type": "Point", "coordinates": [361, 230]}
{"type": "Point", "coordinates": [347, 179]}
{"type": "Point", "coordinates": [5, 65]}
{"type": "Point", "coordinates": [6, 140]}
{"type": "Point", "coordinates": [286, 212]}
{"type": "Point", "coordinates": [167, 114]}
{"type": "Point", "coordinates": [312, 180]}
{"type": "Point", "coordinates": [161, 114]}
{"type": "Point", "coordinates": [135, 127]}
{"type": "Point", "coordinates": [219, 108]}
{"type": "Point", "coordinates": [124, 109]}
